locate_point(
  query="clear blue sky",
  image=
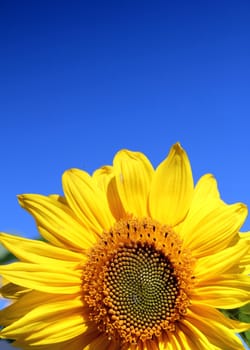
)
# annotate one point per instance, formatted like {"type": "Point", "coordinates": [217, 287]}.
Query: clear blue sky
{"type": "Point", "coordinates": [81, 79]}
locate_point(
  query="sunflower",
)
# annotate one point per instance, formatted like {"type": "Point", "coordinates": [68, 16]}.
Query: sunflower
{"type": "Point", "coordinates": [134, 258]}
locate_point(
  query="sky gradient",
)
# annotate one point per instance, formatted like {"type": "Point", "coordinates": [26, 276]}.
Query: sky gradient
{"type": "Point", "coordinates": [81, 80]}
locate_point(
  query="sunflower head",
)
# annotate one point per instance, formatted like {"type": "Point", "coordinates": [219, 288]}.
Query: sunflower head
{"type": "Point", "coordinates": [133, 258]}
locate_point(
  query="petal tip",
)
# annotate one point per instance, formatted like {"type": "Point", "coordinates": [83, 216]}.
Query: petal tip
{"type": "Point", "coordinates": [177, 147]}
{"type": "Point", "coordinates": [243, 209]}
{"type": "Point", "coordinates": [21, 199]}
{"type": "Point", "coordinates": [177, 150]}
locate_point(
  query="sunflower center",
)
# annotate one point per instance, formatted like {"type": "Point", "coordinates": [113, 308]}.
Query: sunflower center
{"type": "Point", "coordinates": [136, 282]}
{"type": "Point", "coordinates": [142, 287]}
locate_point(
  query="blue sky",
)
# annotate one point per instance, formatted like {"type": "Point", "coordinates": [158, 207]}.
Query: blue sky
{"type": "Point", "coordinates": [80, 80]}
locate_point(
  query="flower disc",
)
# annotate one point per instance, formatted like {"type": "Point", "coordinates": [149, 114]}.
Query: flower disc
{"type": "Point", "coordinates": [135, 281]}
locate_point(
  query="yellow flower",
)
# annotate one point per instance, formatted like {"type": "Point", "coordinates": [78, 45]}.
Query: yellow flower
{"type": "Point", "coordinates": [135, 258]}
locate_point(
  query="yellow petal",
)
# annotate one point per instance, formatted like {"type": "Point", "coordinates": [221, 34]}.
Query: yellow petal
{"type": "Point", "coordinates": [191, 337]}
{"type": "Point", "coordinates": [105, 179]}
{"type": "Point", "coordinates": [172, 188]}
{"type": "Point", "coordinates": [87, 200]}
{"type": "Point", "coordinates": [35, 251]}
{"type": "Point", "coordinates": [27, 302]}
{"type": "Point", "coordinates": [58, 198]}
{"type": "Point", "coordinates": [45, 278]}
{"type": "Point", "coordinates": [211, 314]}
{"type": "Point", "coordinates": [168, 341]}
{"type": "Point", "coordinates": [221, 262]}
{"type": "Point", "coordinates": [245, 235]}
{"type": "Point", "coordinates": [226, 292]}
{"type": "Point", "coordinates": [205, 188]}
{"type": "Point", "coordinates": [102, 176]}
{"type": "Point", "coordinates": [49, 323]}
{"type": "Point", "coordinates": [211, 226]}
{"type": "Point", "coordinates": [133, 178]}
{"type": "Point", "coordinates": [70, 344]}
{"type": "Point", "coordinates": [56, 219]}
{"type": "Point", "coordinates": [216, 332]}
{"type": "Point", "coordinates": [245, 261]}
